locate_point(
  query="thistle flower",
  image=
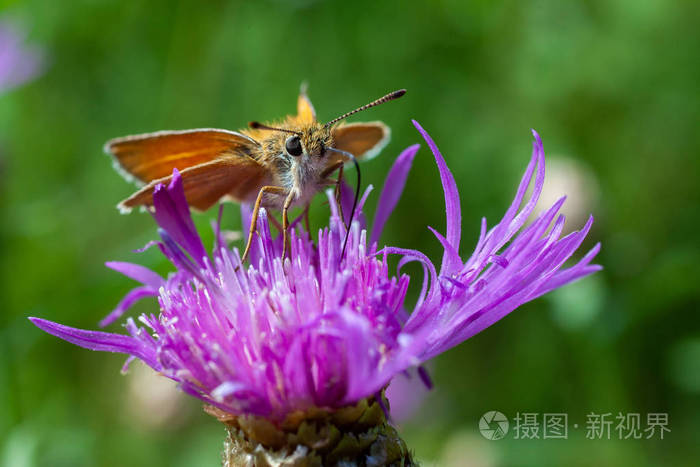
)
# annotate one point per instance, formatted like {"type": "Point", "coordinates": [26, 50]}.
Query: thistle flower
{"type": "Point", "coordinates": [317, 337]}
{"type": "Point", "coordinates": [18, 63]}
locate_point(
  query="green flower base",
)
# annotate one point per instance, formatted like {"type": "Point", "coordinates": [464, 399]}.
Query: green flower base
{"type": "Point", "coordinates": [359, 435]}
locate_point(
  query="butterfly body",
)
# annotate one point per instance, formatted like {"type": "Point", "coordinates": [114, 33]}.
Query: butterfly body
{"type": "Point", "coordinates": [303, 175]}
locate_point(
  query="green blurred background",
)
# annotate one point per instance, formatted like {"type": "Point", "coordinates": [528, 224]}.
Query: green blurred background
{"type": "Point", "coordinates": [612, 87]}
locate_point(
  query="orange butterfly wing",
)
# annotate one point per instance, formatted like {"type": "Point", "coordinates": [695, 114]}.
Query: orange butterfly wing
{"type": "Point", "coordinates": [213, 164]}
{"type": "Point", "coordinates": [152, 156]}
{"type": "Point", "coordinates": [305, 109]}
{"type": "Point", "coordinates": [236, 177]}
{"type": "Point", "coordinates": [362, 140]}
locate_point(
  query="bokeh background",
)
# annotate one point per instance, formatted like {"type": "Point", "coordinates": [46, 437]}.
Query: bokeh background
{"type": "Point", "coordinates": [612, 87]}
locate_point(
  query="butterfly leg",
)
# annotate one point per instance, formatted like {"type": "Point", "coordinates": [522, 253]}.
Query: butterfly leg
{"type": "Point", "coordinates": [256, 211]}
{"type": "Point", "coordinates": [338, 186]}
{"type": "Point", "coordinates": [285, 222]}
{"type": "Point", "coordinates": [307, 224]}
{"type": "Point", "coordinates": [275, 222]}
{"type": "Point", "coordinates": [339, 167]}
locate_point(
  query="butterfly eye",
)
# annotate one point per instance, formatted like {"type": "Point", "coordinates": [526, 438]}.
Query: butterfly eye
{"type": "Point", "coordinates": [293, 146]}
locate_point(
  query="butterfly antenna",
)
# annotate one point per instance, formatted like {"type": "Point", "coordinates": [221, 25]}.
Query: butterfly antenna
{"type": "Point", "coordinates": [260, 126]}
{"type": "Point", "coordinates": [389, 97]}
{"type": "Point", "coordinates": [355, 200]}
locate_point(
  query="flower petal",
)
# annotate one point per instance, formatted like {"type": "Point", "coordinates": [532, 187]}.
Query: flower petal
{"type": "Point", "coordinates": [129, 299]}
{"type": "Point", "coordinates": [172, 213]}
{"type": "Point", "coordinates": [453, 212]}
{"type": "Point", "coordinates": [97, 340]}
{"type": "Point", "coordinates": [137, 272]}
{"type": "Point", "coordinates": [391, 192]}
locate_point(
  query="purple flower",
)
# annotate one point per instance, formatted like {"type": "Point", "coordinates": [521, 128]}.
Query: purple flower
{"type": "Point", "coordinates": [18, 63]}
{"type": "Point", "coordinates": [321, 329]}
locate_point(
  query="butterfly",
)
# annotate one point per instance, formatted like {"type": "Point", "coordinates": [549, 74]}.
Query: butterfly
{"type": "Point", "coordinates": [278, 165]}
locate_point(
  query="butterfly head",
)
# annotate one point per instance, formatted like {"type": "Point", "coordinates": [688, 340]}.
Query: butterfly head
{"type": "Point", "coordinates": [308, 141]}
